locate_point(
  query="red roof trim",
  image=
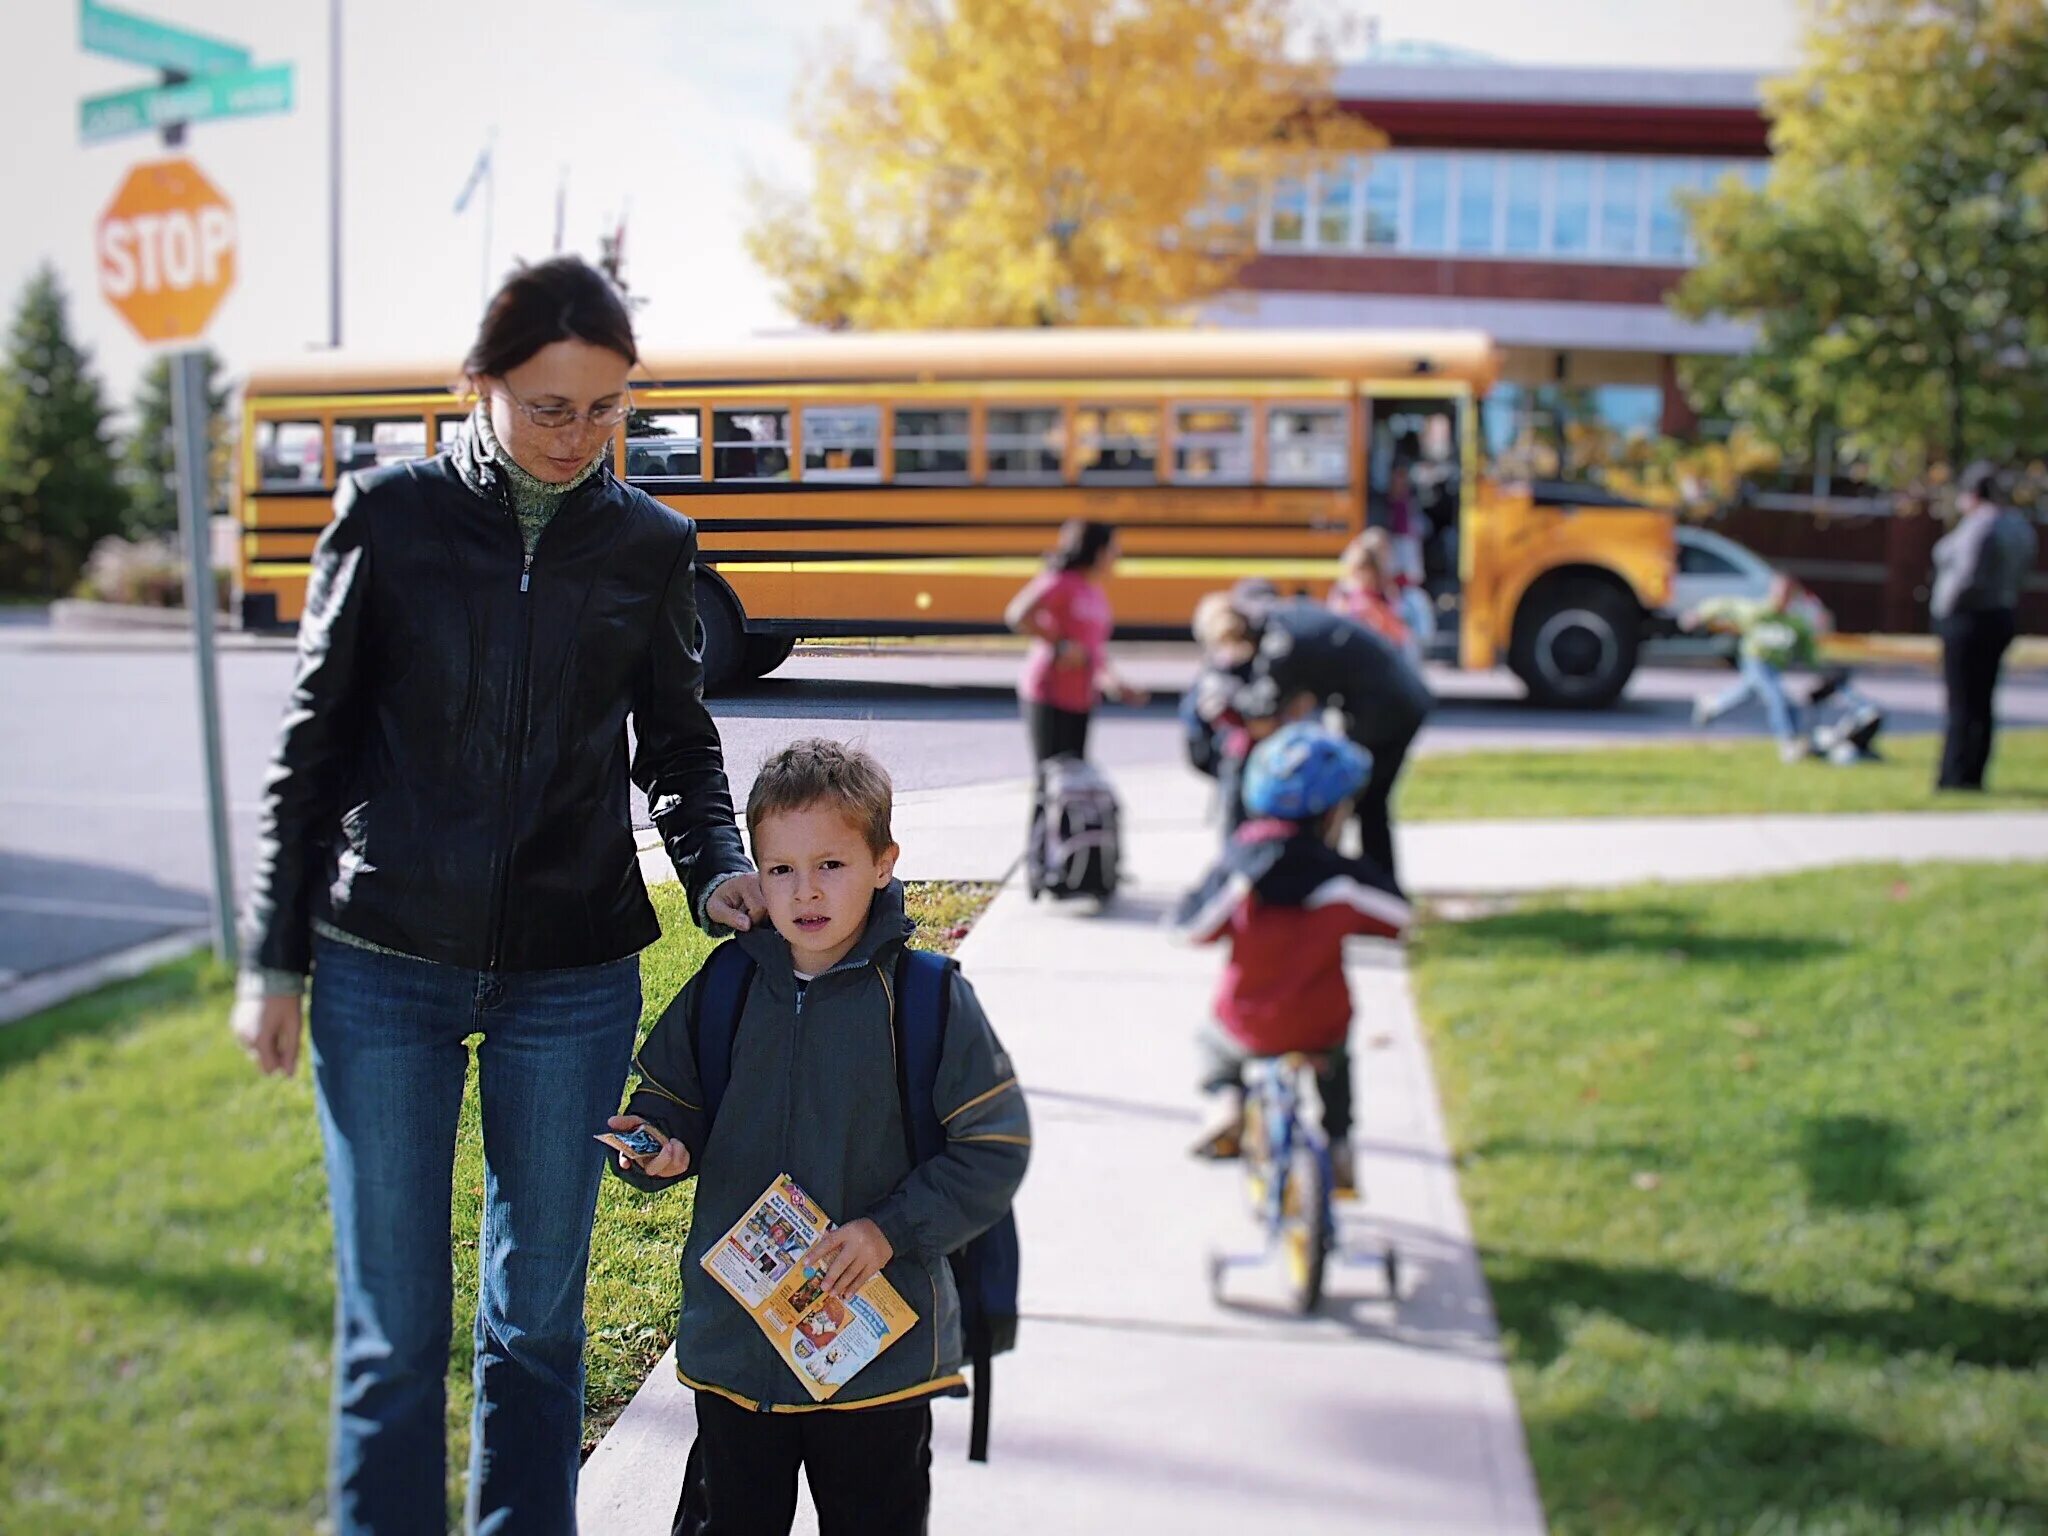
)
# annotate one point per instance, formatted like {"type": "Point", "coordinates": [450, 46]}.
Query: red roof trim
{"type": "Point", "coordinates": [1739, 131]}
{"type": "Point", "coordinates": [1569, 282]}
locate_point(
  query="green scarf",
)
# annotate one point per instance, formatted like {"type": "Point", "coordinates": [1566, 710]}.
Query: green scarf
{"type": "Point", "coordinates": [534, 500]}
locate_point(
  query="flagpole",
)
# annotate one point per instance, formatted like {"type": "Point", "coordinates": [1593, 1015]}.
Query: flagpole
{"type": "Point", "coordinates": [490, 192]}
{"type": "Point", "coordinates": [334, 173]}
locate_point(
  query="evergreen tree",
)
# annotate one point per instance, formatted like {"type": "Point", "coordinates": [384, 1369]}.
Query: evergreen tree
{"type": "Point", "coordinates": [152, 456]}
{"type": "Point", "coordinates": [58, 490]}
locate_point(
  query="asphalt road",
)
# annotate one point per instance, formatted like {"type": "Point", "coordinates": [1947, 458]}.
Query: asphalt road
{"type": "Point", "coordinates": [102, 824]}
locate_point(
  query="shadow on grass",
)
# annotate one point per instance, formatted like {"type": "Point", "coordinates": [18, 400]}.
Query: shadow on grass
{"type": "Point", "coordinates": [1855, 1163]}
{"type": "Point", "coordinates": [1734, 1466]}
{"type": "Point", "coordinates": [1535, 1299]}
{"type": "Point", "coordinates": [200, 1293]}
{"type": "Point", "coordinates": [1642, 929]}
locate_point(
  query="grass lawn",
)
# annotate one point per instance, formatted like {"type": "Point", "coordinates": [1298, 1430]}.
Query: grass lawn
{"type": "Point", "coordinates": [1710, 779]}
{"type": "Point", "coordinates": [1756, 1172]}
{"type": "Point", "coordinates": [165, 1286]}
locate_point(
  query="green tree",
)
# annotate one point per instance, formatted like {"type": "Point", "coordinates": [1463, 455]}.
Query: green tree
{"type": "Point", "coordinates": [1039, 162]}
{"type": "Point", "coordinates": [1895, 263]}
{"type": "Point", "coordinates": [58, 490]}
{"type": "Point", "coordinates": [151, 451]}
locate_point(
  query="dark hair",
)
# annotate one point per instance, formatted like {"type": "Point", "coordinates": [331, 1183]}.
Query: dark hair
{"type": "Point", "coordinates": [1081, 545]}
{"type": "Point", "coordinates": [562, 299]}
{"type": "Point", "coordinates": [1982, 480]}
{"type": "Point", "coordinates": [819, 771]}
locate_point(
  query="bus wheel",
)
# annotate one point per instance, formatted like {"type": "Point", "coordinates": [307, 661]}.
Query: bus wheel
{"type": "Point", "coordinates": [721, 636]}
{"type": "Point", "coordinates": [1575, 642]}
{"type": "Point", "coordinates": [767, 652]}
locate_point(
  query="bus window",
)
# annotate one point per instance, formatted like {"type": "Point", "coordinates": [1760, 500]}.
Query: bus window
{"type": "Point", "coordinates": [1308, 445]}
{"type": "Point", "coordinates": [446, 430]}
{"type": "Point", "coordinates": [366, 444]}
{"type": "Point", "coordinates": [842, 442]}
{"type": "Point", "coordinates": [1119, 444]}
{"type": "Point", "coordinates": [1212, 445]}
{"type": "Point", "coordinates": [750, 445]}
{"type": "Point", "coordinates": [931, 446]}
{"type": "Point", "coordinates": [1025, 447]}
{"type": "Point", "coordinates": [664, 445]}
{"type": "Point", "coordinates": [287, 455]}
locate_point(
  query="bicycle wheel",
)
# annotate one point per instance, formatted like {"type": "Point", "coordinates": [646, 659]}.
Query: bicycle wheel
{"type": "Point", "coordinates": [1256, 1151]}
{"type": "Point", "coordinates": [1305, 1226]}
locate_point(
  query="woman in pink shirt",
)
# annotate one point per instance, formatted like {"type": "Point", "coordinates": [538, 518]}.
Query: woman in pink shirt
{"type": "Point", "coordinates": [1066, 612]}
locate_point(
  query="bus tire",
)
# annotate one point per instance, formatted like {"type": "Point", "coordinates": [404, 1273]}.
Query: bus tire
{"type": "Point", "coordinates": [764, 653]}
{"type": "Point", "coordinates": [721, 635]}
{"type": "Point", "coordinates": [1575, 641]}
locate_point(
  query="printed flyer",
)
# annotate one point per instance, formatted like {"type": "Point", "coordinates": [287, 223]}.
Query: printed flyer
{"type": "Point", "coordinates": [824, 1339]}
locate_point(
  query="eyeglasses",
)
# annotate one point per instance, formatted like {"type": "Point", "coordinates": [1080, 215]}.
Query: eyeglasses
{"type": "Point", "coordinates": [552, 418]}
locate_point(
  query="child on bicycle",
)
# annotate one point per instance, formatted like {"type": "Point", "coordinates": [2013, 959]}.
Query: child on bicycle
{"type": "Point", "coordinates": [1288, 899]}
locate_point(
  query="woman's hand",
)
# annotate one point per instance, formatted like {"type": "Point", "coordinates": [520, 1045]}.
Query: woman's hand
{"type": "Point", "coordinates": [737, 902]}
{"type": "Point", "coordinates": [850, 1256]}
{"type": "Point", "coordinates": [672, 1161]}
{"type": "Point", "coordinates": [268, 1028]}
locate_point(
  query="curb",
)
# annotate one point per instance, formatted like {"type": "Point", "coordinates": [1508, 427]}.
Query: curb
{"type": "Point", "coordinates": [47, 989]}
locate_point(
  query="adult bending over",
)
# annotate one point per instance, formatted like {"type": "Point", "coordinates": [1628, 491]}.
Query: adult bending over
{"type": "Point", "coordinates": [447, 848]}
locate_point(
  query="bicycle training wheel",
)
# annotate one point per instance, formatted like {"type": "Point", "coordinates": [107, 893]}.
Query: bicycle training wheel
{"type": "Point", "coordinates": [1305, 1227]}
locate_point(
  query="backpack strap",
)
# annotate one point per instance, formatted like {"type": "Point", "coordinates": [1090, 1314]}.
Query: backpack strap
{"type": "Point", "coordinates": [723, 982]}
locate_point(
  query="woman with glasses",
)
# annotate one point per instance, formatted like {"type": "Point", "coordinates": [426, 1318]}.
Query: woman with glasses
{"type": "Point", "coordinates": [447, 850]}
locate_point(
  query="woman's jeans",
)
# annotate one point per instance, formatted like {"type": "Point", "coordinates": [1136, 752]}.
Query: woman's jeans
{"type": "Point", "coordinates": [1766, 684]}
{"type": "Point", "coordinates": [388, 1066]}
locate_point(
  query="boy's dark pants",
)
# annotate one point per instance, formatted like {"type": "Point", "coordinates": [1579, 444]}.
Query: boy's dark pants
{"type": "Point", "coordinates": [1223, 1062]}
{"type": "Point", "coordinates": [869, 1470]}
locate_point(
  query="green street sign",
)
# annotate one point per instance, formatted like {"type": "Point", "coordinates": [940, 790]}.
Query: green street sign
{"type": "Point", "coordinates": [242, 93]}
{"type": "Point", "coordinates": [138, 40]}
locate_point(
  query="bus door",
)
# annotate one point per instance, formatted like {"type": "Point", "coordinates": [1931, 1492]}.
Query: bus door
{"type": "Point", "coordinates": [1415, 489]}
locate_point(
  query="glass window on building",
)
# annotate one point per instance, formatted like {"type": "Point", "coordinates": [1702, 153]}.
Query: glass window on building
{"type": "Point", "coordinates": [1478, 193]}
{"type": "Point", "coordinates": [1571, 205]}
{"type": "Point", "coordinates": [1334, 195]}
{"type": "Point", "coordinates": [366, 444]}
{"type": "Point", "coordinates": [750, 445]}
{"type": "Point", "coordinates": [1669, 232]}
{"type": "Point", "coordinates": [1024, 446]}
{"type": "Point", "coordinates": [1383, 201]}
{"type": "Point", "coordinates": [931, 446]}
{"type": "Point", "coordinates": [287, 455]}
{"type": "Point", "coordinates": [1117, 444]}
{"type": "Point", "coordinates": [1289, 216]}
{"type": "Point", "coordinates": [1212, 445]}
{"type": "Point", "coordinates": [1621, 207]}
{"type": "Point", "coordinates": [1429, 205]}
{"type": "Point", "coordinates": [1308, 445]}
{"type": "Point", "coordinates": [842, 442]}
{"type": "Point", "coordinates": [664, 445]}
{"type": "Point", "coordinates": [1522, 191]}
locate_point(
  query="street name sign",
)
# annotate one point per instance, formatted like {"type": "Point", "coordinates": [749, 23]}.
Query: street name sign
{"type": "Point", "coordinates": [138, 40]}
{"type": "Point", "coordinates": [236, 93]}
{"type": "Point", "coordinates": [166, 249]}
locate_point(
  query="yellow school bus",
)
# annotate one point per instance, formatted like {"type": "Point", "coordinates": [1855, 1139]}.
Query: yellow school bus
{"type": "Point", "coordinates": [908, 484]}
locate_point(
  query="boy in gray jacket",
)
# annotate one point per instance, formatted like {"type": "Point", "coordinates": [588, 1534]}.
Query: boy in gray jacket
{"type": "Point", "coordinates": [814, 1094]}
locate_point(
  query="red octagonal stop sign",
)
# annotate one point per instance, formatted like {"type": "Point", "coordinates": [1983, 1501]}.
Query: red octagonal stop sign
{"type": "Point", "coordinates": [166, 248]}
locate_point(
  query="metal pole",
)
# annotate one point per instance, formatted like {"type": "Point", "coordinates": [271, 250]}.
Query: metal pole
{"type": "Point", "coordinates": [195, 519]}
{"type": "Point", "coordinates": [490, 193]}
{"type": "Point", "coordinates": [334, 173]}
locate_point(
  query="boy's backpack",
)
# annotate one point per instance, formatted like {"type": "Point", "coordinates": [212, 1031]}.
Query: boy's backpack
{"type": "Point", "coordinates": [1074, 838]}
{"type": "Point", "coordinates": [985, 1270]}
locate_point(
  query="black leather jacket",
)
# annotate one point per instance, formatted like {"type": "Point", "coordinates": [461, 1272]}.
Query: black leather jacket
{"type": "Point", "coordinates": [451, 778]}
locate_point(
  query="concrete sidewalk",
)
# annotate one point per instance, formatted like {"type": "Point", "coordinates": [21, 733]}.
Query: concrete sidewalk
{"type": "Point", "coordinates": [1135, 1399]}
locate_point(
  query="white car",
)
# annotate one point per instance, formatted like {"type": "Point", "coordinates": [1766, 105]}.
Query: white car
{"type": "Point", "coordinates": [1709, 566]}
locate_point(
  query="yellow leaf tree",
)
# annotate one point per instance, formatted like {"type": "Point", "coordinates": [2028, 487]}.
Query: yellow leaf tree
{"type": "Point", "coordinates": [1047, 162]}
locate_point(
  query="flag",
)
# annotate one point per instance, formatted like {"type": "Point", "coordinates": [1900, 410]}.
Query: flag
{"type": "Point", "coordinates": [476, 178]}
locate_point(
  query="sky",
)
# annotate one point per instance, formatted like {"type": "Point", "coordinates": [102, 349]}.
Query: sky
{"type": "Point", "coordinates": [657, 109]}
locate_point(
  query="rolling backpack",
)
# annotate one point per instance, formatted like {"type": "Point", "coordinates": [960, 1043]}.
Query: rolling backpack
{"type": "Point", "coordinates": [985, 1270]}
{"type": "Point", "coordinates": [1074, 832]}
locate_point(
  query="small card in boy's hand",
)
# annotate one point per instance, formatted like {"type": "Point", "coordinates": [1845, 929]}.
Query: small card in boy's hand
{"type": "Point", "coordinates": [639, 1142]}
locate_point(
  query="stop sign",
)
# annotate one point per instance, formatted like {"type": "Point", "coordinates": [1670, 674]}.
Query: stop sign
{"type": "Point", "coordinates": [166, 247]}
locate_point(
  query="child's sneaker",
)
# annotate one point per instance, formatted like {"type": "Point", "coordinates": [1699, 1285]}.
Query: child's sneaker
{"type": "Point", "coordinates": [1223, 1138]}
{"type": "Point", "coordinates": [1343, 1170]}
{"type": "Point", "coordinates": [1702, 711]}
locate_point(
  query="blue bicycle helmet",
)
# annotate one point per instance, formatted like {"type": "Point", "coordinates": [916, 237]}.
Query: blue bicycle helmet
{"type": "Point", "coordinates": [1302, 770]}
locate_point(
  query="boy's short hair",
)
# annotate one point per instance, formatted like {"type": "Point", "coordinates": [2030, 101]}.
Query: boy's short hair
{"type": "Point", "coordinates": [816, 769]}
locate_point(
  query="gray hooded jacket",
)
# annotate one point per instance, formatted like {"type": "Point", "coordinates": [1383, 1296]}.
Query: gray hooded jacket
{"type": "Point", "coordinates": [813, 1094]}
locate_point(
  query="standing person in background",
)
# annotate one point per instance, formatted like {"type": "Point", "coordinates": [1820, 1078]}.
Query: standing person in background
{"type": "Point", "coordinates": [447, 848]}
{"type": "Point", "coordinates": [1980, 566]}
{"type": "Point", "coordinates": [1408, 528]}
{"type": "Point", "coordinates": [1365, 590]}
{"type": "Point", "coordinates": [1066, 612]}
{"type": "Point", "coordinates": [1773, 635]}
